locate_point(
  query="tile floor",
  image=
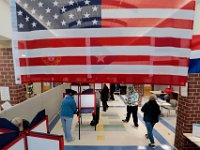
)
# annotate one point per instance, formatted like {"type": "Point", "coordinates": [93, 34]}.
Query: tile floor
{"type": "Point", "coordinates": [111, 133]}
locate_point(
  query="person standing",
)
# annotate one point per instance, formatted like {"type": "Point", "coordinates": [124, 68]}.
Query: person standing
{"type": "Point", "coordinates": [112, 90]}
{"type": "Point", "coordinates": [104, 97]}
{"type": "Point", "coordinates": [132, 105]}
{"type": "Point", "coordinates": [151, 116]}
{"type": "Point", "coordinates": [68, 109]}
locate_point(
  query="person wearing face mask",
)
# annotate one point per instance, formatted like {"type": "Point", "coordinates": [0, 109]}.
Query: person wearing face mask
{"type": "Point", "coordinates": [132, 105]}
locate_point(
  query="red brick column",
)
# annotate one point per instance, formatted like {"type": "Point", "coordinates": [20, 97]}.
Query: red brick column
{"type": "Point", "coordinates": [140, 89]}
{"type": "Point", "coordinates": [188, 113]}
{"type": "Point", "coordinates": [7, 78]}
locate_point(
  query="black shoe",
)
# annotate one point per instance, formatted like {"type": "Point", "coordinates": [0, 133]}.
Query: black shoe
{"type": "Point", "coordinates": [146, 135]}
{"type": "Point", "coordinates": [136, 125]}
{"type": "Point", "coordinates": [92, 123]}
{"type": "Point", "coordinates": [124, 121]}
{"type": "Point", "coordinates": [152, 145]}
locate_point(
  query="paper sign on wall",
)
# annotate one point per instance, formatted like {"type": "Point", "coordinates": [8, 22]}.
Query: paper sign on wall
{"type": "Point", "coordinates": [6, 105]}
{"type": "Point", "coordinates": [184, 90]}
{"type": "Point", "coordinates": [5, 94]}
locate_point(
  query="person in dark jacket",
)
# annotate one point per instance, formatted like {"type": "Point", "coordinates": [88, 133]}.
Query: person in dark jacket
{"type": "Point", "coordinates": [112, 90]}
{"type": "Point", "coordinates": [151, 116]}
{"type": "Point", "coordinates": [104, 97]}
{"type": "Point", "coordinates": [68, 109]}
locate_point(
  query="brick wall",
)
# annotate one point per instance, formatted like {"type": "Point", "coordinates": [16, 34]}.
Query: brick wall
{"type": "Point", "coordinates": [188, 113]}
{"type": "Point", "coordinates": [17, 92]}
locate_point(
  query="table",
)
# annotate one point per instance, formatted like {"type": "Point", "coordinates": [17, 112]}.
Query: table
{"type": "Point", "coordinates": [162, 102]}
{"type": "Point", "coordinates": [116, 92]}
{"type": "Point", "coordinates": [157, 92]}
{"type": "Point", "coordinates": [173, 95]}
{"type": "Point", "coordinates": [193, 139]}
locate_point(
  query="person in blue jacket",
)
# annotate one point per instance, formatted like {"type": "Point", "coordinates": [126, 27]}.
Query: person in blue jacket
{"type": "Point", "coordinates": [68, 109]}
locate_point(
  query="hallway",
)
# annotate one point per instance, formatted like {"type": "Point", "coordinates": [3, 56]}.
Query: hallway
{"type": "Point", "coordinates": [113, 134]}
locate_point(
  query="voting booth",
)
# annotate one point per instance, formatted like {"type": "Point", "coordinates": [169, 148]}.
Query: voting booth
{"type": "Point", "coordinates": [36, 136]}
{"type": "Point", "coordinates": [85, 99]}
{"type": "Point", "coordinates": [76, 87]}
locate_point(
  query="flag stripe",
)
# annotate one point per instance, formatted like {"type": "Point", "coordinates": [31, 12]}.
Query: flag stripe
{"type": "Point", "coordinates": [147, 22]}
{"type": "Point", "coordinates": [104, 60]}
{"type": "Point", "coordinates": [106, 78]}
{"type": "Point", "coordinates": [195, 43]}
{"type": "Point", "coordinates": [195, 48]}
{"type": "Point", "coordinates": [114, 41]}
{"type": "Point", "coordinates": [105, 50]}
{"type": "Point", "coordinates": [107, 32]}
{"type": "Point", "coordinates": [195, 54]}
{"type": "Point", "coordinates": [148, 13]}
{"type": "Point", "coordinates": [105, 69]}
{"type": "Point", "coordinates": [181, 4]}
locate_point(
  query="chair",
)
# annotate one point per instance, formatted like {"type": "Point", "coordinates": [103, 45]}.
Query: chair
{"type": "Point", "coordinates": [173, 106]}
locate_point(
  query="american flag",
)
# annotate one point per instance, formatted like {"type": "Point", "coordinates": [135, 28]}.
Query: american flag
{"type": "Point", "coordinates": [120, 41]}
{"type": "Point", "coordinates": [194, 66]}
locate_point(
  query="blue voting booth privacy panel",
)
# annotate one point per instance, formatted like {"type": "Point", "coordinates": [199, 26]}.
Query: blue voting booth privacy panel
{"type": "Point", "coordinates": [6, 138]}
{"type": "Point", "coordinates": [41, 127]}
{"type": "Point", "coordinates": [6, 124]}
{"type": "Point", "coordinates": [38, 118]}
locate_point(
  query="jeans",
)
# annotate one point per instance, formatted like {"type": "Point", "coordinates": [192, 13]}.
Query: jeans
{"type": "Point", "coordinates": [67, 124]}
{"type": "Point", "coordinates": [149, 126]}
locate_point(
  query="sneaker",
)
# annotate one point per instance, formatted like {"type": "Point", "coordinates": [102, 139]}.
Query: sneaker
{"type": "Point", "coordinates": [152, 145]}
{"type": "Point", "coordinates": [72, 140]}
{"type": "Point", "coordinates": [124, 121]}
{"type": "Point", "coordinates": [146, 135]}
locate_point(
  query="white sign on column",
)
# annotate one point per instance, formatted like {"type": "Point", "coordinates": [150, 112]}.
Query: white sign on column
{"type": "Point", "coordinates": [184, 90]}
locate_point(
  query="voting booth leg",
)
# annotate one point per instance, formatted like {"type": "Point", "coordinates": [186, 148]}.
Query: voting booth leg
{"type": "Point", "coordinates": [79, 129]}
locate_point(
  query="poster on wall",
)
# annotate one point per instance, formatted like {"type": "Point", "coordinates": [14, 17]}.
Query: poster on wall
{"type": "Point", "coordinates": [5, 93]}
